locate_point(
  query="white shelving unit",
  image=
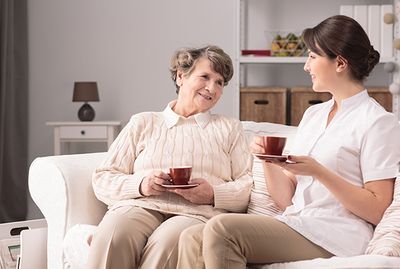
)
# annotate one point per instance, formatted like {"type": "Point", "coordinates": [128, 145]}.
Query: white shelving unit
{"type": "Point", "coordinates": [270, 60]}
{"type": "Point", "coordinates": [395, 86]}
{"type": "Point", "coordinates": [247, 38]}
{"type": "Point", "coordinates": [282, 60]}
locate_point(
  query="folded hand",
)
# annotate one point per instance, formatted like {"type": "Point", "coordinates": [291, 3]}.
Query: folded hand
{"type": "Point", "coordinates": [203, 194]}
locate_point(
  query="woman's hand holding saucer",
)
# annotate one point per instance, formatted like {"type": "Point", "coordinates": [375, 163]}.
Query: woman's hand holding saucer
{"type": "Point", "coordinates": [151, 184]}
{"type": "Point", "coordinates": [302, 165]}
{"type": "Point", "coordinates": [203, 194]}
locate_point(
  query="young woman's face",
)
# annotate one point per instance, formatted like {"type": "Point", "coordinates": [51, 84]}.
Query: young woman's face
{"type": "Point", "coordinates": [322, 71]}
{"type": "Point", "coordinates": [201, 89]}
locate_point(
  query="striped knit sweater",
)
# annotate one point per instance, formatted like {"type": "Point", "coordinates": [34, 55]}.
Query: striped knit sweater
{"type": "Point", "coordinates": [214, 145]}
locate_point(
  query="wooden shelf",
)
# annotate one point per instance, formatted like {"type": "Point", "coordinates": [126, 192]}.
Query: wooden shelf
{"type": "Point", "coordinates": [272, 60]}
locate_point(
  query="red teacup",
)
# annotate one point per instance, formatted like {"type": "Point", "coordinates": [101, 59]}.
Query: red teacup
{"type": "Point", "coordinates": [180, 175]}
{"type": "Point", "coordinates": [273, 145]}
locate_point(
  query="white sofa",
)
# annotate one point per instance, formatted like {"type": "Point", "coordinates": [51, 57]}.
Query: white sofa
{"type": "Point", "coordinates": [61, 187]}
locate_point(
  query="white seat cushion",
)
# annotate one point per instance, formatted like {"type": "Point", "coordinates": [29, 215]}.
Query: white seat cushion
{"type": "Point", "coordinates": [76, 247]}
{"type": "Point", "coordinates": [361, 261]}
{"type": "Point", "coordinates": [76, 251]}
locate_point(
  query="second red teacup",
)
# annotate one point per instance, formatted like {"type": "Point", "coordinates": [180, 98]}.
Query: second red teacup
{"type": "Point", "coordinates": [273, 145]}
{"type": "Point", "coordinates": [180, 175]}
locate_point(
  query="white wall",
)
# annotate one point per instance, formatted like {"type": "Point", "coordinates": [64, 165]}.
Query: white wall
{"type": "Point", "coordinates": [125, 46]}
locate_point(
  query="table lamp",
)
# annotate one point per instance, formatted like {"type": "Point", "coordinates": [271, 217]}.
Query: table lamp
{"type": "Point", "coordinates": [85, 91]}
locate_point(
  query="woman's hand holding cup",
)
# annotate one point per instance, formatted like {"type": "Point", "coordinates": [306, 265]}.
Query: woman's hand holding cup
{"type": "Point", "coordinates": [257, 145]}
{"type": "Point", "coordinates": [269, 148]}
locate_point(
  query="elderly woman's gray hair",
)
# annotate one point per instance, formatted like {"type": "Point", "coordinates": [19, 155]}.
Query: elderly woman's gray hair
{"type": "Point", "coordinates": [185, 60]}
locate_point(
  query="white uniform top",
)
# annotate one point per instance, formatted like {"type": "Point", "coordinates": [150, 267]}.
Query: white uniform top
{"type": "Point", "coordinates": [361, 144]}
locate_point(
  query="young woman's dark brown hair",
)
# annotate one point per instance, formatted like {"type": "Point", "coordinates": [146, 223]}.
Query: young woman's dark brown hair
{"type": "Point", "coordinates": [343, 36]}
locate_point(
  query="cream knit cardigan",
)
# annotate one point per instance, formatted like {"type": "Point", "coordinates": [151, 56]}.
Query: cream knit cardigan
{"type": "Point", "coordinates": [214, 145]}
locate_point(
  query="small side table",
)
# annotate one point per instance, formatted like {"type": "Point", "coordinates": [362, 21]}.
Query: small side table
{"type": "Point", "coordinates": [80, 131]}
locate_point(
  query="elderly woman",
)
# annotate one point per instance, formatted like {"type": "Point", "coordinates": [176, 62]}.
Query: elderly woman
{"type": "Point", "coordinates": [145, 218]}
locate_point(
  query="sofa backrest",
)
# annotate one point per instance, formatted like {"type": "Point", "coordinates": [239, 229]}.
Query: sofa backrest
{"type": "Point", "coordinates": [252, 129]}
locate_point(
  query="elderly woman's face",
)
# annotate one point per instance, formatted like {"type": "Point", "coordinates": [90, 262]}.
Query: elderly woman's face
{"type": "Point", "coordinates": [200, 90]}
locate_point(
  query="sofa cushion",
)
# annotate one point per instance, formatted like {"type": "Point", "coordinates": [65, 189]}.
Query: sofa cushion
{"type": "Point", "coordinates": [359, 262]}
{"type": "Point", "coordinates": [76, 251]}
{"type": "Point", "coordinates": [386, 238]}
{"type": "Point", "coordinates": [76, 247]}
{"type": "Point", "coordinates": [260, 200]}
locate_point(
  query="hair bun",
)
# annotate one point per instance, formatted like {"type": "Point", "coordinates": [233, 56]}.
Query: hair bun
{"type": "Point", "coordinates": [373, 58]}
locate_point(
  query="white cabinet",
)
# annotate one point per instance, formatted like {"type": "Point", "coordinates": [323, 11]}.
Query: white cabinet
{"type": "Point", "coordinates": [83, 131]}
{"type": "Point", "coordinates": [257, 20]}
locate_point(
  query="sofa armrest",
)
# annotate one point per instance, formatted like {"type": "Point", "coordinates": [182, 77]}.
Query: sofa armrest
{"type": "Point", "coordinates": [61, 187]}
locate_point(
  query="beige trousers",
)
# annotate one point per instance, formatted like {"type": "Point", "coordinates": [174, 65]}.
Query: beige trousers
{"type": "Point", "coordinates": [235, 240]}
{"type": "Point", "coordinates": [132, 237]}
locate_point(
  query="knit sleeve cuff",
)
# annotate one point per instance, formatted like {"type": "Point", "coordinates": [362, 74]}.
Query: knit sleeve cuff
{"type": "Point", "coordinates": [133, 184]}
{"type": "Point", "coordinates": [229, 197]}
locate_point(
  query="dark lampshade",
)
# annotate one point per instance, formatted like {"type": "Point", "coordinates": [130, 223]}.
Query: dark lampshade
{"type": "Point", "coordinates": [85, 92]}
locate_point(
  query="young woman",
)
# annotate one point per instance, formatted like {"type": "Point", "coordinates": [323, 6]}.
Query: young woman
{"type": "Point", "coordinates": [340, 178]}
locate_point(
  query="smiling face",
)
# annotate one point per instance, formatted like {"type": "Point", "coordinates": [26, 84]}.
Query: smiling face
{"type": "Point", "coordinates": [323, 72]}
{"type": "Point", "coordinates": [199, 90]}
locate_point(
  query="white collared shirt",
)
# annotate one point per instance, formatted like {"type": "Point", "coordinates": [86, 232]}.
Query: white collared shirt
{"type": "Point", "coordinates": [361, 144]}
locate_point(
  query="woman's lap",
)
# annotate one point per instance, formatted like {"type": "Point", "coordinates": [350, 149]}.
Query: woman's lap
{"type": "Point", "coordinates": [260, 239]}
{"type": "Point", "coordinates": [153, 234]}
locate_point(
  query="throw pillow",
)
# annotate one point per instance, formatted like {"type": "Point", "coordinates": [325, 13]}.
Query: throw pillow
{"type": "Point", "coordinates": [261, 202]}
{"type": "Point", "coordinates": [386, 238]}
